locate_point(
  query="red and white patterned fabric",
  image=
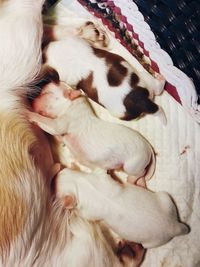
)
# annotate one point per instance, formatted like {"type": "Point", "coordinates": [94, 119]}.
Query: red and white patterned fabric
{"type": "Point", "coordinates": [179, 85]}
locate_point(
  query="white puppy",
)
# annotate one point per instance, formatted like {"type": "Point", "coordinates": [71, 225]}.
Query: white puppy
{"type": "Point", "coordinates": [94, 142]}
{"type": "Point", "coordinates": [134, 213]}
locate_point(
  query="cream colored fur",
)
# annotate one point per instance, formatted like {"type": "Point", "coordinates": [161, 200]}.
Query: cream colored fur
{"type": "Point", "coordinates": [134, 213]}
{"type": "Point", "coordinates": [34, 229]}
{"type": "Point", "coordinates": [94, 142]}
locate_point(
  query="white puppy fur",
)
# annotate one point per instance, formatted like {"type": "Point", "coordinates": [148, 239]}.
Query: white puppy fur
{"type": "Point", "coordinates": [134, 213]}
{"type": "Point", "coordinates": [34, 229]}
{"type": "Point", "coordinates": [94, 142]}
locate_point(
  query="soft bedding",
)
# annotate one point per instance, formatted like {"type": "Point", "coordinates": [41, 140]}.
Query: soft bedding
{"type": "Point", "coordinates": [177, 146]}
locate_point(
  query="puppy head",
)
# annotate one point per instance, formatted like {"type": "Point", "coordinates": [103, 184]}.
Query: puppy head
{"type": "Point", "coordinates": [54, 99]}
{"type": "Point", "coordinates": [138, 103]}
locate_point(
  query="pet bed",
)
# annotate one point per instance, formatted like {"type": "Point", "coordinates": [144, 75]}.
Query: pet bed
{"type": "Point", "coordinates": [177, 144]}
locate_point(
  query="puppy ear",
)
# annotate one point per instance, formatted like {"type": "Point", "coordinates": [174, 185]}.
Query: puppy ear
{"type": "Point", "coordinates": [47, 127]}
{"type": "Point", "coordinates": [137, 102]}
{"type": "Point", "coordinates": [46, 124]}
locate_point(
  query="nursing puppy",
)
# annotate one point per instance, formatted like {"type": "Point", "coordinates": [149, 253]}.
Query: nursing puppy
{"type": "Point", "coordinates": [94, 142]}
{"type": "Point", "coordinates": [34, 229]}
{"type": "Point", "coordinates": [106, 78]}
{"type": "Point", "coordinates": [134, 213]}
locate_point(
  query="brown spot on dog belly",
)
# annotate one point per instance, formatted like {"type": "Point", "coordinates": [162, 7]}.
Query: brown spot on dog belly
{"type": "Point", "coordinates": [86, 86]}
{"type": "Point", "coordinates": [117, 72]}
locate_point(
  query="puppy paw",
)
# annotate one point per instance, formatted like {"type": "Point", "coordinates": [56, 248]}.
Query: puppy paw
{"type": "Point", "coordinates": [130, 253]}
{"type": "Point", "coordinates": [94, 34]}
{"type": "Point", "coordinates": [160, 83]}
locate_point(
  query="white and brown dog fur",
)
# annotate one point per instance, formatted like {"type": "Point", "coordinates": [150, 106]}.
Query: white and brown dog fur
{"type": "Point", "coordinates": [107, 78]}
{"type": "Point", "coordinates": [95, 143]}
{"type": "Point", "coordinates": [34, 229]}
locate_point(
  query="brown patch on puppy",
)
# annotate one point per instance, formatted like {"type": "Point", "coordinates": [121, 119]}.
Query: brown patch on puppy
{"type": "Point", "coordinates": [117, 72]}
{"type": "Point", "coordinates": [108, 56]}
{"type": "Point", "coordinates": [86, 86]}
{"type": "Point", "coordinates": [48, 35]}
{"type": "Point", "coordinates": [44, 57]}
{"type": "Point", "coordinates": [137, 103]}
{"type": "Point", "coordinates": [134, 80]}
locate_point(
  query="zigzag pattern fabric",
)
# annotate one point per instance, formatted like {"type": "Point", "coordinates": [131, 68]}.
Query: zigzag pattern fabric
{"type": "Point", "coordinates": [176, 25]}
{"type": "Point", "coordinates": [125, 19]}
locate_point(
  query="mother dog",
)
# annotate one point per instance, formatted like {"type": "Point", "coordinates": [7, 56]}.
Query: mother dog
{"type": "Point", "coordinates": [34, 229]}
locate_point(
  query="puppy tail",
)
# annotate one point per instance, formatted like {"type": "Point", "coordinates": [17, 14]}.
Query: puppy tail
{"type": "Point", "coordinates": [182, 229]}
{"type": "Point", "coordinates": [151, 167]}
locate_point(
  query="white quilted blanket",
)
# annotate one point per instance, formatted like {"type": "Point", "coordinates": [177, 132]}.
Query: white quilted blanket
{"type": "Point", "coordinates": [178, 165]}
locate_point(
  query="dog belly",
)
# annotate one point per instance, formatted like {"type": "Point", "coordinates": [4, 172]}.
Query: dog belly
{"type": "Point", "coordinates": [88, 155]}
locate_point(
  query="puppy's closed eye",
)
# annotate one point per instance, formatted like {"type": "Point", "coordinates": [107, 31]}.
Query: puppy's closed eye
{"type": "Point", "coordinates": [137, 103]}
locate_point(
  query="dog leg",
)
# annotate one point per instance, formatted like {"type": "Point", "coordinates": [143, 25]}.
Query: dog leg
{"type": "Point", "coordinates": [85, 29]}
{"type": "Point", "coordinates": [155, 85]}
{"type": "Point", "coordinates": [94, 34]}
